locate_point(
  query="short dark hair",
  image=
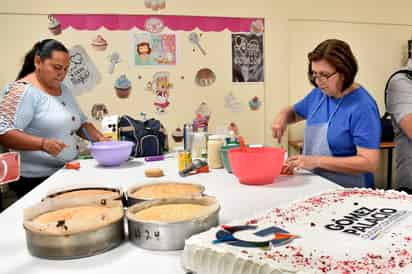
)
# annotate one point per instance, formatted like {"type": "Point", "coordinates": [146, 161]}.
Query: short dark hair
{"type": "Point", "coordinates": [44, 50]}
{"type": "Point", "coordinates": [337, 53]}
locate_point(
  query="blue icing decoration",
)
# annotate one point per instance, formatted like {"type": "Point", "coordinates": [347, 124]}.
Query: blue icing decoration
{"type": "Point", "coordinates": [122, 82]}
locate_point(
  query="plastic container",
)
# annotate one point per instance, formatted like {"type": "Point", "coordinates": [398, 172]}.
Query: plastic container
{"type": "Point", "coordinates": [111, 153]}
{"type": "Point", "coordinates": [257, 165]}
{"type": "Point", "coordinates": [214, 143]}
{"type": "Point", "coordinates": [224, 156]}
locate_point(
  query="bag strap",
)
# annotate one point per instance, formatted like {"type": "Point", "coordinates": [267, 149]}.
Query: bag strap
{"type": "Point", "coordinates": [408, 74]}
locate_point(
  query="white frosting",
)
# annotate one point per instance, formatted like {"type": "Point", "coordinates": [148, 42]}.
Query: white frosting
{"type": "Point", "coordinates": [318, 249]}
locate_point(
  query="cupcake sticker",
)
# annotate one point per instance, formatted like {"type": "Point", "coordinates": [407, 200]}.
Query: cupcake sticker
{"type": "Point", "coordinates": [255, 103]}
{"type": "Point", "coordinates": [99, 111]}
{"type": "Point", "coordinates": [123, 86]}
{"type": "Point", "coordinates": [155, 4]}
{"type": "Point", "coordinates": [99, 43]}
{"type": "Point", "coordinates": [54, 25]}
{"type": "Point", "coordinates": [177, 135]}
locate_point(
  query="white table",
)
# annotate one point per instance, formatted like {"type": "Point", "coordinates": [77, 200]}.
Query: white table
{"type": "Point", "coordinates": [237, 202]}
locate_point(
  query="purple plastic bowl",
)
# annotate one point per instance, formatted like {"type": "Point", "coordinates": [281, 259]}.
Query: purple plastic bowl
{"type": "Point", "coordinates": [111, 153]}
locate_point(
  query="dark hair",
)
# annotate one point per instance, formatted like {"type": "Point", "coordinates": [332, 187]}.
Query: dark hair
{"type": "Point", "coordinates": [339, 54]}
{"type": "Point", "coordinates": [141, 45]}
{"type": "Point", "coordinates": [44, 50]}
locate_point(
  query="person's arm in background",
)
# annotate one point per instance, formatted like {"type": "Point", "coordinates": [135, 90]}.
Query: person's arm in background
{"type": "Point", "coordinates": [399, 103]}
{"type": "Point", "coordinates": [19, 140]}
{"type": "Point", "coordinates": [94, 133]}
{"type": "Point", "coordinates": [285, 117]}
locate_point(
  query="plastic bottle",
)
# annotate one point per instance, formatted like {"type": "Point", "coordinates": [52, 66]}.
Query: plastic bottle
{"type": "Point", "coordinates": [214, 144]}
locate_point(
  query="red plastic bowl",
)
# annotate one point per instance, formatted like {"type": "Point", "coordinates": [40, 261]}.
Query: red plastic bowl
{"type": "Point", "coordinates": [256, 166]}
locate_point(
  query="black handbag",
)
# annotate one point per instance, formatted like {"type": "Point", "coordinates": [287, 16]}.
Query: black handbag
{"type": "Point", "coordinates": [388, 134]}
{"type": "Point", "coordinates": [148, 136]}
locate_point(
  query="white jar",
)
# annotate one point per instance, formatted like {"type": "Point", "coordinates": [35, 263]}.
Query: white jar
{"type": "Point", "coordinates": [214, 143]}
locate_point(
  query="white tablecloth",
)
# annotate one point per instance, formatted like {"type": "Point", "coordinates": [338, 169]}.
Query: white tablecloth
{"type": "Point", "coordinates": [237, 202]}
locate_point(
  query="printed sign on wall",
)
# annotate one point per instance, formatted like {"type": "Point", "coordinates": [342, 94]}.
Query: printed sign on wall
{"type": "Point", "coordinates": [149, 49]}
{"type": "Point", "coordinates": [247, 57]}
{"type": "Point", "coordinates": [83, 74]}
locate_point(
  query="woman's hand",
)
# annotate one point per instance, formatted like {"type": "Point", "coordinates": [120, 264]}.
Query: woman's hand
{"type": "Point", "coordinates": [303, 161]}
{"type": "Point", "coordinates": [103, 139]}
{"type": "Point", "coordinates": [52, 146]}
{"type": "Point", "coordinates": [279, 126]}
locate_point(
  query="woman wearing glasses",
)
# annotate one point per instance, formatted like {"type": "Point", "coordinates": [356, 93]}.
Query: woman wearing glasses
{"type": "Point", "coordinates": [40, 117]}
{"type": "Point", "coordinates": [342, 133]}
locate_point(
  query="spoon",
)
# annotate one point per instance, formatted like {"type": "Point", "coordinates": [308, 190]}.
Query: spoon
{"type": "Point", "coordinates": [194, 39]}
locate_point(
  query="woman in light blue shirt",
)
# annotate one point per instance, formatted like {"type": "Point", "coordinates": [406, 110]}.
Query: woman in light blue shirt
{"type": "Point", "coordinates": [40, 117]}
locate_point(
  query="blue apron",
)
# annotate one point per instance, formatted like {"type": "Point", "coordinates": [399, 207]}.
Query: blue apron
{"type": "Point", "coordinates": [316, 143]}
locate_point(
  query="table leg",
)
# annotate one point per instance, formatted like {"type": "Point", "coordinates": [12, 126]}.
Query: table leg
{"type": "Point", "coordinates": [389, 178]}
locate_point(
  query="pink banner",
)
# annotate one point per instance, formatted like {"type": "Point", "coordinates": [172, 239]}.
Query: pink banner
{"type": "Point", "coordinates": [173, 22]}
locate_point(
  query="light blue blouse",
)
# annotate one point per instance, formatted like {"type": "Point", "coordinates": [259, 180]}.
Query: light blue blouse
{"type": "Point", "coordinates": [37, 113]}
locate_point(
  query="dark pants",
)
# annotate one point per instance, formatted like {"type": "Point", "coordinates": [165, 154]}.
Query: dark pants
{"type": "Point", "coordinates": [25, 185]}
{"type": "Point", "coordinates": [407, 190]}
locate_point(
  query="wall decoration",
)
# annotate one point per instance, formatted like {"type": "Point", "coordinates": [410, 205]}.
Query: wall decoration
{"type": "Point", "coordinates": [202, 118]}
{"type": "Point", "coordinates": [153, 49]}
{"type": "Point", "coordinates": [247, 57]}
{"type": "Point", "coordinates": [232, 103]}
{"type": "Point", "coordinates": [99, 111]}
{"type": "Point", "coordinates": [54, 25]}
{"type": "Point", "coordinates": [82, 75]}
{"type": "Point", "coordinates": [114, 59]}
{"type": "Point", "coordinates": [160, 86]}
{"type": "Point", "coordinates": [99, 43]}
{"type": "Point", "coordinates": [177, 135]}
{"type": "Point", "coordinates": [194, 39]}
{"type": "Point", "coordinates": [155, 4]}
{"type": "Point", "coordinates": [123, 86]}
{"type": "Point", "coordinates": [205, 77]}
{"type": "Point", "coordinates": [154, 25]}
{"type": "Point", "coordinates": [257, 27]}
{"type": "Point", "coordinates": [173, 22]}
{"type": "Point", "coordinates": [255, 103]}
{"type": "Point", "coordinates": [234, 128]}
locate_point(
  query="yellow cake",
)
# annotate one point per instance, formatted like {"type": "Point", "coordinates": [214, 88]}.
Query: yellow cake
{"type": "Point", "coordinates": [166, 190]}
{"type": "Point", "coordinates": [171, 212]}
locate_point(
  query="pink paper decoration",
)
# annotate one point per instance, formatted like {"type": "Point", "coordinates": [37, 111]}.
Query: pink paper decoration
{"type": "Point", "coordinates": [173, 22]}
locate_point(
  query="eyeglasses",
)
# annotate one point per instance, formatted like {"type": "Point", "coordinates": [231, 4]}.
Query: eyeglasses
{"type": "Point", "coordinates": [322, 77]}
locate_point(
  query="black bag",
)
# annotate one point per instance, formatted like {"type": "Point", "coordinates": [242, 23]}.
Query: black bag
{"type": "Point", "coordinates": [148, 136]}
{"type": "Point", "coordinates": [388, 134]}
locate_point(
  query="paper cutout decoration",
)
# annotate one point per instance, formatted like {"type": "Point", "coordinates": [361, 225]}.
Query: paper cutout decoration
{"type": "Point", "coordinates": [154, 25]}
{"type": "Point", "coordinates": [99, 43]}
{"type": "Point", "coordinates": [82, 75]}
{"type": "Point", "coordinates": [257, 27]}
{"type": "Point", "coordinates": [177, 135]}
{"type": "Point", "coordinates": [99, 111]}
{"type": "Point", "coordinates": [232, 103]}
{"type": "Point", "coordinates": [114, 59]}
{"type": "Point", "coordinates": [9, 167]}
{"type": "Point", "coordinates": [194, 39]}
{"type": "Point", "coordinates": [160, 86]}
{"type": "Point", "coordinates": [123, 86]}
{"type": "Point", "coordinates": [247, 58]}
{"type": "Point", "coordinates": [155, 4]}
{"type": "Point", "coordinates": [232, 127]}
{"type": "Point", "coordinates": [255, 103]}
{"type": "Point", "coordinates": [205, 77]}
{"type": "Point", "coordinates": [54, 25]}
{"type": "Point", "coordinates": [202, 118]}
{"type": "Point", "coordinates": [150, 49]}
{"type": "Point", "coordinates": [173, 22]}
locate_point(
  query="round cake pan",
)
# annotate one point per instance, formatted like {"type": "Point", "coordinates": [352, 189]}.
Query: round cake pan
{"type": "Point", "coordinates": [131, 199]}
{"type": "Point", "coordinates": [117, 193]}
{"type": "Point", "coordinates": [155, 235]}
{"type": "Point", "coordinates": [75, 246]}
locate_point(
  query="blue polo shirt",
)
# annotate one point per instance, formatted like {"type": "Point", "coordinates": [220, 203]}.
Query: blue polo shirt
{"type": "Point", "coordinates": [355, 123]}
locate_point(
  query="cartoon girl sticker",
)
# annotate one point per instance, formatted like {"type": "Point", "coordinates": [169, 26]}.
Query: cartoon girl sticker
{"type": "Point", "coordinates": [160, 86]}
{"type": "Point", "coordinates": [143, 56]}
